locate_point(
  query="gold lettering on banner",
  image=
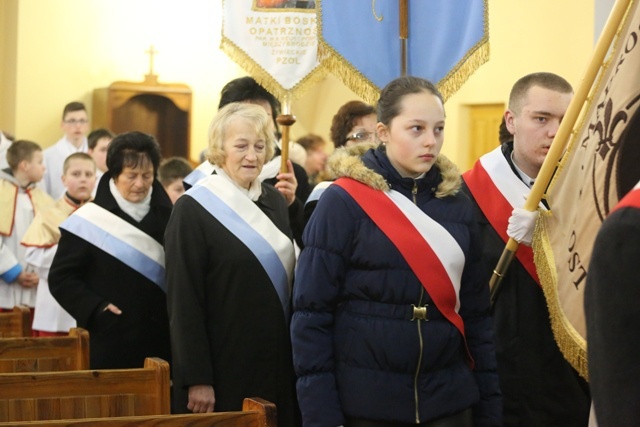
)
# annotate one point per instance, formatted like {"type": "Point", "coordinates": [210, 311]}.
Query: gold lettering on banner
{"type": "Point", "coordinates": [375, 15]}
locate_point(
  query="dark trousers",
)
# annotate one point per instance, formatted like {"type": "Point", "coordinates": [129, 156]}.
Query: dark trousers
{"type": "Point", "coordinates": [461, 419]}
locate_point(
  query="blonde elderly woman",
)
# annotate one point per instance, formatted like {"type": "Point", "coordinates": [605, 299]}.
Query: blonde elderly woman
{"type": "Point", "coordinates": [229, 263]}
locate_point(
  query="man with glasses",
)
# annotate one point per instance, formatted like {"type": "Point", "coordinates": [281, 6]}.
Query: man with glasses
{"type": "Point", "coordinates": [75, 124]}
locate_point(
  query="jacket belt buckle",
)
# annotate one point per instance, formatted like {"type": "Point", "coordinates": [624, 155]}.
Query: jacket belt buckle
{"type": "Point", "coordinates": [419, 313]}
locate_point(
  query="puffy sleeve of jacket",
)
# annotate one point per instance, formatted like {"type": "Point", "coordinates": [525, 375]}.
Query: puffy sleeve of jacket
{"type": "Point", "coordinates": [475, 310]}
{"type": "Point", "coordinates": [319, 276]}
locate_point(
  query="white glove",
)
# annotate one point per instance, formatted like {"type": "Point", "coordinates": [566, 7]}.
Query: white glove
{"type": "Point", "coordinates": [521, 225]}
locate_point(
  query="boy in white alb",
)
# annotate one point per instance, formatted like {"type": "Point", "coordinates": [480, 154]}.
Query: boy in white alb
{"type": "Point", "coordinates": [20, 200]}
{"type": "Point", "coordinates": [75, 124]}
{"type": "Point", "coordinates": [41, 241]}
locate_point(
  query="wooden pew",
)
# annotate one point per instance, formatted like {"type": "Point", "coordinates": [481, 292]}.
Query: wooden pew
{"type": "Point", "coordinates": [255, 412]}
{"type": "Point", "coordinates": [45, 354]}
{"type": "Point", "coordinates": [39, 396]}
{"type": "Point", "coordinates": [16, 323]}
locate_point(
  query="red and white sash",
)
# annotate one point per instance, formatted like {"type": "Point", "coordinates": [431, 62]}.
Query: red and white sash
{"type": "Point", "coordinates": [630, 200]}
{"type": "Point", "coordinates": [434, 256]}
{"type": "Point", "coordinates": [498, 192]}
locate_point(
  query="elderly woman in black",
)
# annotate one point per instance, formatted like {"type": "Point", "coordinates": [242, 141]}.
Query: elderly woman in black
{"type": "Point", "coordinates": [108, 272]}
{"type": "Point", "coordinates": [230, 261]}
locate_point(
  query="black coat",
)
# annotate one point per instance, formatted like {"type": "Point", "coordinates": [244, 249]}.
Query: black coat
{"type": "Point", "coordinates": [228, 327]}
{"type": "Point", "coordinates": [613, 319]}
{"type": "Point", "coordinates": [539, 387]}
{"type": "Point", "coordinates": [84, 280]}
{"type": "Point", "coordinates": [296, 210]}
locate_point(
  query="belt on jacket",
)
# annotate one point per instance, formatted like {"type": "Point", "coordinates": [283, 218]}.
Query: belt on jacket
{"type": "Point", "coordinates": [393, 311]}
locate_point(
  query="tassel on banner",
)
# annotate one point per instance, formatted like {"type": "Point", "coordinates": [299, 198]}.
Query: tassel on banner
{"type": "Point", "coordinates": [454, 80]}
{"type": "Point", "coordinates": [347, 73]}
{"type": "Point", "coordinates": [265, 79]}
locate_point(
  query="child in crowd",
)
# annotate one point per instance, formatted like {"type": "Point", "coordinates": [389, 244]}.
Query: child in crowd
{"type": "Point", "coordinates": [41, 241]}
{"type": "Point", "coordinates": [75, 124]}
{"type": "Point", "coordinates": [316, 157]}
{"type": "Point", "coordinates": [20, 200]}
{"type": "Point", "coordinates": [98, 142]}
{"type": "Point", "coordinates": [171, 173]}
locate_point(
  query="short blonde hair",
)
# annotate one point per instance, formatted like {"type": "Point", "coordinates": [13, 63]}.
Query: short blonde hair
{"type": "Point", "coordinates": [251, 113]}
{"type": "Point", "coordinates": [77, 156]}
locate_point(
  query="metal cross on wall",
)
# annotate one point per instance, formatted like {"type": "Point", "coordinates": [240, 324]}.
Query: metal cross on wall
{"type": "Point", "coordinates": [151, 52]}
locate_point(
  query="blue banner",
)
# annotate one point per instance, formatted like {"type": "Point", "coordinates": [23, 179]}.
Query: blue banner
{"type": "Point", "coordinates": [360, 42]}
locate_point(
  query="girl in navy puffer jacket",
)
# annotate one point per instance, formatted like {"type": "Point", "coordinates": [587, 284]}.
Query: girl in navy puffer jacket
{"type": "Point", "coordinates": [391, 323]}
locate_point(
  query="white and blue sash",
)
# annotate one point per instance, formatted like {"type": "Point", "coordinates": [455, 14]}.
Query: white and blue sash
{"type": "Point", "coordinates": [203, 170]}
{"type": "Point", "coordinates": [317, 191]}
{"type": "Point", "coordinates": [118, 238]}
{"type": "Point", "coordinates": [236, 212]}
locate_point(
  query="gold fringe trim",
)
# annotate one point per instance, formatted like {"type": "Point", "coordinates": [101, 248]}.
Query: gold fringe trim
{"type": "Point", "coordinates": [265, 79]}
{"type": "Point", "coordinates": [370, 92]}
{"type": "Point", "coordinates": [349, 75]}
{"type": "Point", "coordinates": [474, 58]}
{"type": "Point", "coordinates": [571, 344]}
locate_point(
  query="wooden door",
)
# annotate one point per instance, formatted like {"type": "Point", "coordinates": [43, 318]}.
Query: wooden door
{"type": "Point", "coordinates": [158, 116]}
{"type": "Point", "coordinates": [163, 110]}
{"type": "Point", "coordinates": [484, 125]}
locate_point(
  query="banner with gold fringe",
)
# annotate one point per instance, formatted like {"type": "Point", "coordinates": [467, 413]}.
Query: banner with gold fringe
{"type": "Point", "coordinates": [275, 41]}
{"type": "Point", "coordinates": [359, 42]}
{"type": "Point", "coordinates": [599, 166]}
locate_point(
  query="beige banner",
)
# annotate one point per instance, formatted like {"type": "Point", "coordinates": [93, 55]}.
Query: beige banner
{"type": "Point", "coordinates": [592, 176]}
{"type": "Point", "coordinates": [275, 41]}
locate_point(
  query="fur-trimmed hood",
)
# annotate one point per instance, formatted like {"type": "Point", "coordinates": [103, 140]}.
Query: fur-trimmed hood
{"type": "Point", "coordinates": [347, 162]}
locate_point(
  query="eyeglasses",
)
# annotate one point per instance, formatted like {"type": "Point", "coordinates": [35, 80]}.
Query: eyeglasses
{"type": "Point", "coordinates": [74, 122]}
{"type": "Point", "coordinates": [359, 136]}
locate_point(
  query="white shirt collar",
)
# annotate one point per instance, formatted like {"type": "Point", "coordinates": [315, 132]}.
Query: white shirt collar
{"type": "Point", "coordinates": [523, 176]}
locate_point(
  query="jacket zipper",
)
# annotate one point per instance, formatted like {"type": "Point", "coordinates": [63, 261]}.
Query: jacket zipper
{"type": "Point", "coordinates": [415, 378]}
{"type": "Point", "coordinates": [414, 192]}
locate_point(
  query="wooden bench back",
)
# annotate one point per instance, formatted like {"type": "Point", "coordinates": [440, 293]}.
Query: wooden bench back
{"type": "Point", "coordinates": [41, 396]}
{"type": "Point", "coordinates": [45, 354]}
{"type": "Point", "coordinates": [16, 323]}
{"type": "Point", "coordinates": [255, 413]}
